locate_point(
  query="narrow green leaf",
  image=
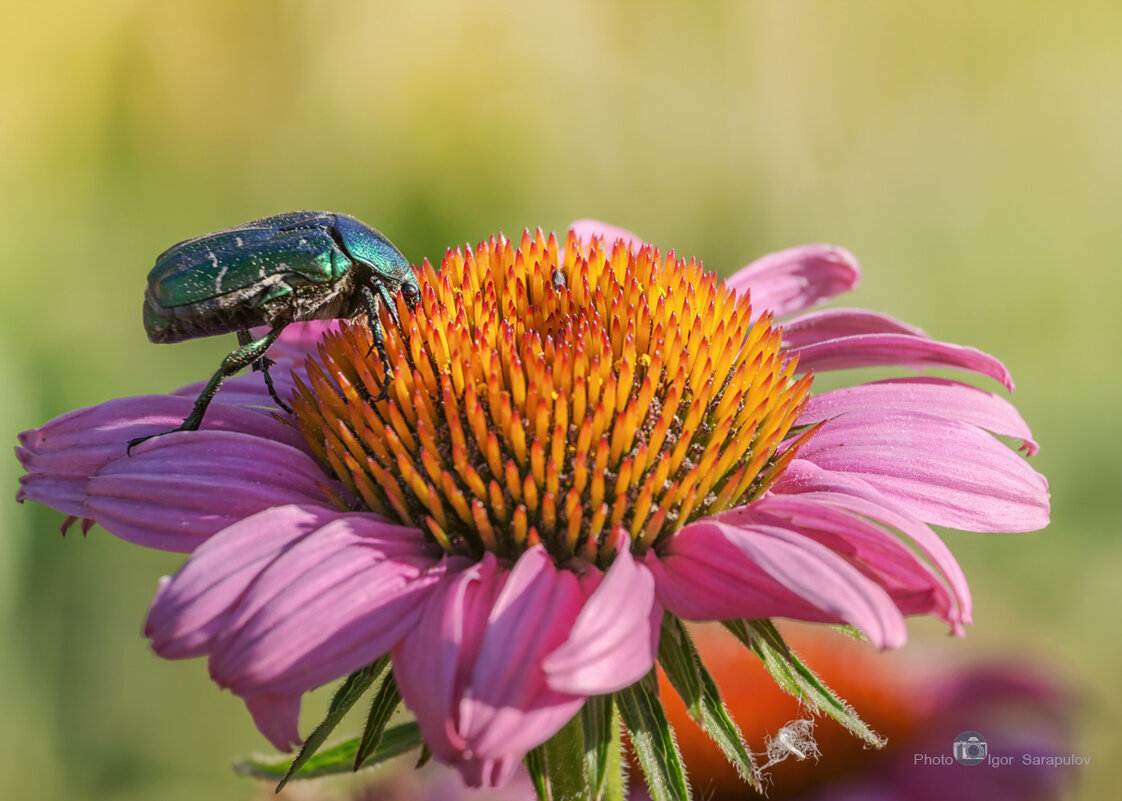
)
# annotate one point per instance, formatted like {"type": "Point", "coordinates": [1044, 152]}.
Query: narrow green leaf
{"type": "Point", "coordinates": [565, 763]}
{"type": "Point", "coordinates": [335, 759]}
{"type": "Point", "coordinates": [653, 740]}
{"type": "Point", "coordinates": [792, 674]}
{"type": "Point", "coordinates": [536, 767]}
{"type": "Point", "coordinates": [688, 676]}
{"type": "Point", "coordinates": [678, 657]}
{"type": "Point", "coordinates": [849, 631]}
{"type": "Point", "coordinates": [601, 740]}
{"type": "Point", "coordinates": [424, 757]}
{"type": "Point", "coordinates": [349, 691]}
{"type": "Point", "coordinates": [381, 708]}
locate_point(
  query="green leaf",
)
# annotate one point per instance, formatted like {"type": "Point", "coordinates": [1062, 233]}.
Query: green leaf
{"type": "Point", "coordinates": [688, 676]}
{"type": "Point", "coordinates": [381, 708]}
{"type": "Point", "coordinates": [583, 761]}
{"type": "Point", "coordinates": [653, 740]}
{"type": "Point", "coordinates": [334, 760]}
{"type": "Point", "coordinates": [792, 674]}
{"type": "Point", "coordinates": [561, 765]}
{"type": "Point", "coordinates": [535, 766]}
{"type": "Point", "coordinates": [602, 746]}
{"type": "Point", "coordinates": [349, 691]}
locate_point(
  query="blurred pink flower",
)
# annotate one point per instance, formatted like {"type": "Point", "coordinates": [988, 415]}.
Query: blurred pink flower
{"type": "Point", "coordinates": [576, 440]}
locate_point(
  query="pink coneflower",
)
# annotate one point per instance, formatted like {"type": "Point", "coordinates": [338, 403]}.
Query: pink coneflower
{"type": "Point", "coordinates": [576, 440]}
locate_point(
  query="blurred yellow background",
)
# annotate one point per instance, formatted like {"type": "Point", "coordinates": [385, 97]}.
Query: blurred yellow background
{"type": "Point", "coordinates": [970, 155]}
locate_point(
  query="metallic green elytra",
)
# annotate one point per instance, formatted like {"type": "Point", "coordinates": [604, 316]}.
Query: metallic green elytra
{"type": "Point", "coordinates": [292, 267]}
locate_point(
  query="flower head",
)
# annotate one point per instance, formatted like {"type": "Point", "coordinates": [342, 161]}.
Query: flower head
{"type": "Point", "coordinates": [574, 441]}
{"type": "Point", "coordinates": [554, 400]}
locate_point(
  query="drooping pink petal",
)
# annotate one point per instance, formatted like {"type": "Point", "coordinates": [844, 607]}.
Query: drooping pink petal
{"type": "Point", "coordinates": [903, 350]}
{"type": "Point", "coordinates": [61, 456]}
{"type": "Point", "coordinates": [277, 717]}
{"type": "Point", "coordinates": [915, 587]}
{"type": "Point", "coordinates": [826, 324]}
{"type": "Point", "coordinates": [614, 640]}
{"type": "Point", "coordinates": [711, 570]}
{"type": "Point", "coordinates": [326, 604]}
{"type": "Point", "coordinates": [791, 280]}
{"type": "Point", "coordinates": [855, 495]}
{"type": "Point", "coordinates": [291, 598]}
{"type": "Point", "coordinates": [225, 576]}
{"type": "Point", "coordinates": [176, 491]}
{"type": "Point", "coordinates": [433, 665]}
{"type": "Point", "coordinates": [185, 618]}
{"type": "Point", "coordinates": [940, 397]}
{"type": "Point", "coordinates": [471, 668]}
{"type": "Point", "coordinates": [942, 471]}
{"type": "Point", "coordinates": [587, 229]}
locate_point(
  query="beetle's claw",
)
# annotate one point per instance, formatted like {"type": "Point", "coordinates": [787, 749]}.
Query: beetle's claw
{"type": "Point", "coordinates": [262, 365]}
{"type": "Point", "coordinates": [137, 440]}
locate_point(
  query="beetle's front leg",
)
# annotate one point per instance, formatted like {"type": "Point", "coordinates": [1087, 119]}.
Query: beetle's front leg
{"type": "Point", "coordinates": [378, 339]}
{"type": "Point", "coordinates": [262, 365]}
{"type": "Point", "coordinates": [241, 358]}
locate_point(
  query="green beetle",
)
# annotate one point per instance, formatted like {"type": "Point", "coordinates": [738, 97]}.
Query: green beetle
{"type": "Point", "coordinates": [301, 265]}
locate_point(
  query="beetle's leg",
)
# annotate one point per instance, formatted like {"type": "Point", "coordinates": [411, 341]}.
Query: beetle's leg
{"type": "Point", "coordinates": [244, 356]}
{"type": "Point", "coordinates": [262, 365]}
{"type": "Point", "coordinates": [377, 337]}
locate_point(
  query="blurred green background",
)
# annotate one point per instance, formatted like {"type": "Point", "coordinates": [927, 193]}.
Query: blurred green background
{"type": "Point", "coordinates": [968, 153]}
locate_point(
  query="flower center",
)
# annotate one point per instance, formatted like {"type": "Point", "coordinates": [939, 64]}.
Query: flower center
{"type": "Point", "coordinates": [538, 398]}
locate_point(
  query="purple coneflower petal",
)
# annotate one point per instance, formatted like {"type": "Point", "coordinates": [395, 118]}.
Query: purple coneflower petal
{"type": "Point", "coordinates": [326, 604]}
{"type": "Point", "coordinates": [711, 570]}
{"type": "Point", "coordinates": [289, 599]}
{"type": "Point", "coordinates": [247, 390]}
{"type": "Point", "coordinates": [940, 397]}
{"type": "Point", "coordinates": [297, 342]}
{"type": "Point", "coordinates": [277, 717]}
{"type": "Point", "coordinates": [791, 280]}
{"type": "Point", "coordinates": [943, 471]}
{"type": "Point", "coordinates": [177, 490]}
{"type": "Point", "coordinates": [471, 668]}
{"type": "Point", "coordinates": [614, 640]}
{"type": "Point", "coordinates": [586, 230]}
{"type": "Point", "coordinates": [905, 350]}
{"type": "Point", "coordinates": [430, 669]}
{"type": "Point", "coordinates": [61, 456]}
{"type": "Point", "coordinates": [188, 615]}
{"type": "Point", "coordinates": [827, 324]}
{"type": "Point", "coordinates": [913, 584]}
{"type": "Point", "coordinates": [857, 496]}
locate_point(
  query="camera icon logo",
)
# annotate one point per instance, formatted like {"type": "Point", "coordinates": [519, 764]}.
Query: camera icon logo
{"type": "Point", "coordinates": [970, 748]}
